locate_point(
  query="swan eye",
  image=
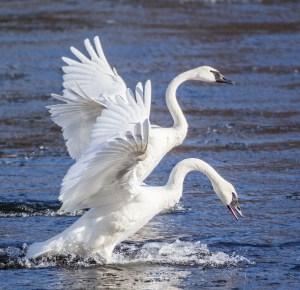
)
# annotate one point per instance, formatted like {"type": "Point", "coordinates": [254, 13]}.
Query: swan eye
{"type": "Point", "coordinates": [216, 74]}
{"type": "Point", "coordinates": [234, 199]}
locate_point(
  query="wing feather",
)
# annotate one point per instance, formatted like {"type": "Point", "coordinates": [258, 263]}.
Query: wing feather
{"type": "Point", "coordinates": [101, 53]}
{"type": "Point", "coordinates": [79, 55]}
{"type": "Point", "coordinates": [106, 127]}
{"type": "Point", "coordinates": [90, 50]}
{"type": "Point", "coordinates": [147, 97]}
{"type": "Point", "coordinates": [105, 175]}
{"type": "Point", "coordinates": [88, 85]}
{"type": "Point", "coordinates": [69, 61]}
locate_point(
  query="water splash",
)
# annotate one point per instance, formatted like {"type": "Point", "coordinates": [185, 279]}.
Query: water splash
{"type": "Point", "coordinates": [178, 208]}
{"type": "Point", "coordinates": [175, 253]}
{"type": "Point", "coordinates": [179, 252]}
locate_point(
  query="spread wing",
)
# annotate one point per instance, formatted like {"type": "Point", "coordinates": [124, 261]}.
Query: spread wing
{"type": "Point", "coordinates": [89, 83]}
{"type": "Point", "coordinates": [105, 174]}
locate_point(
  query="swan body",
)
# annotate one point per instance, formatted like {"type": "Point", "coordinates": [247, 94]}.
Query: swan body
{"type": "Point", "coordinates": [105, 180]}
{"type": "Point", "coordinates": [90, 83]}
{"type": "Point", "coordinates": [99, 231]}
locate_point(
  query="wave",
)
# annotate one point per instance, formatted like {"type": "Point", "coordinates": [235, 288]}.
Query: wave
{"type": "Point", "coordinates": [14, 209]}
{"type": "Point", "coordinates": [127, 253]}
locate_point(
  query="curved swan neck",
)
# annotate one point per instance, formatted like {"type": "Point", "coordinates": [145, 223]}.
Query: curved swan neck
{"type": "Point", "coordinates": [172, 103]}
{"type": "Point", "coordinates": [187, 165]}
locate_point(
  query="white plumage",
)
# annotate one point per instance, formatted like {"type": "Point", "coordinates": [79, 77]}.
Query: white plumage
{"type": "Point", "coordinates": [109, 135]}
{"type": "Point", "coordinates": [90, 83]}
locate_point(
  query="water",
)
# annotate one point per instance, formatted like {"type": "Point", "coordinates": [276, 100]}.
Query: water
{"type": "Point", "coordinates": [248, 132]}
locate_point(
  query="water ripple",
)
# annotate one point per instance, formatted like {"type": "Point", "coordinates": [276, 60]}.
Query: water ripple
{"type": "Point", "coordinates": [9, 209]}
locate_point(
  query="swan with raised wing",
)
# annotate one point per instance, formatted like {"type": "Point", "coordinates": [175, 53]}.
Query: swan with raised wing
{"type": "Point", "coordinates": [90, 83]}
{"type": "Point", "coordinates": [105, 180]}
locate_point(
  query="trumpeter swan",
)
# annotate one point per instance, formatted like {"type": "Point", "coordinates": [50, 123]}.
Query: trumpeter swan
{"type": "Point", "coordinates": [90, 83]}
{"type": "Point", "coordinates": [105, 180]}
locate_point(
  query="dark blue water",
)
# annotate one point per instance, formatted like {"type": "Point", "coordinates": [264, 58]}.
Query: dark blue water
{"type": "Point", "coordinates": [249, 132]}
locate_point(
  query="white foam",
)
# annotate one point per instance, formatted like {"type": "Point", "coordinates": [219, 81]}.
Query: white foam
{"type": "Point", "coordinates": [160, 252]}
{"type": "Point", "coordinates": [47, 212]}
{"type": "Point", "coordinates": [176, 253]}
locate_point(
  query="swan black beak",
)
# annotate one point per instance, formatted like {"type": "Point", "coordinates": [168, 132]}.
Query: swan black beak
{"type": "Point", "coordinates": [236, 208]}
{"type": "Point", "coordinates": [223, 80]}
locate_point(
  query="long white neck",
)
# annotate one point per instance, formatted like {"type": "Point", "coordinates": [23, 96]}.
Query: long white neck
{"type": "Point", "coordinates": [182, 168]}
{"type": "Point", "coordinates": [180, 122]}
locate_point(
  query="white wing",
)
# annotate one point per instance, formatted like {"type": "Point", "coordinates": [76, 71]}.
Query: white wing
{"type": "Point", "coordinates": [94, 75]}
{"type": "Point", "coordinates": [88, 85]}
{"type": "Point", "coordinates": [105, 174]}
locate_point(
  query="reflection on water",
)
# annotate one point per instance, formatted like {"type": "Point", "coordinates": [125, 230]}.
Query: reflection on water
{"type": "Point", "coordinates": [126, 277]}
{"type": "Point", "coordinates": [249, 132]}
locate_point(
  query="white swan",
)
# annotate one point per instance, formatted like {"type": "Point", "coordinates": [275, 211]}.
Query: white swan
{"type": "Point", "coordinates": [104, 179]}
{"type": "Point", "coordinates": [91, 83]}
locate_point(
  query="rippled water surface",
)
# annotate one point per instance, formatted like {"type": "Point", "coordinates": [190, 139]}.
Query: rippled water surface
{"type": "Point", "coordinates": [248, 132]}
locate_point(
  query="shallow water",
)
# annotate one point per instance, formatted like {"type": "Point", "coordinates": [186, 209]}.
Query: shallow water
{"type": "Point", "coordinates": [248, 132]}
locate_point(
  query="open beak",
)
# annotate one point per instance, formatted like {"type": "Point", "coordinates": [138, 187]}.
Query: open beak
{"type": "Point", "coordinates": [224, 80]}
{"type": "Point", "coordinates": [235, 208]}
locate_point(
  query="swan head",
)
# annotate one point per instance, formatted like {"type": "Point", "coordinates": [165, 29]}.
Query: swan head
{"type": "Point", "coordinates": [210, 75]}
{"type": "Point", "coordinates": [228, 195]}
